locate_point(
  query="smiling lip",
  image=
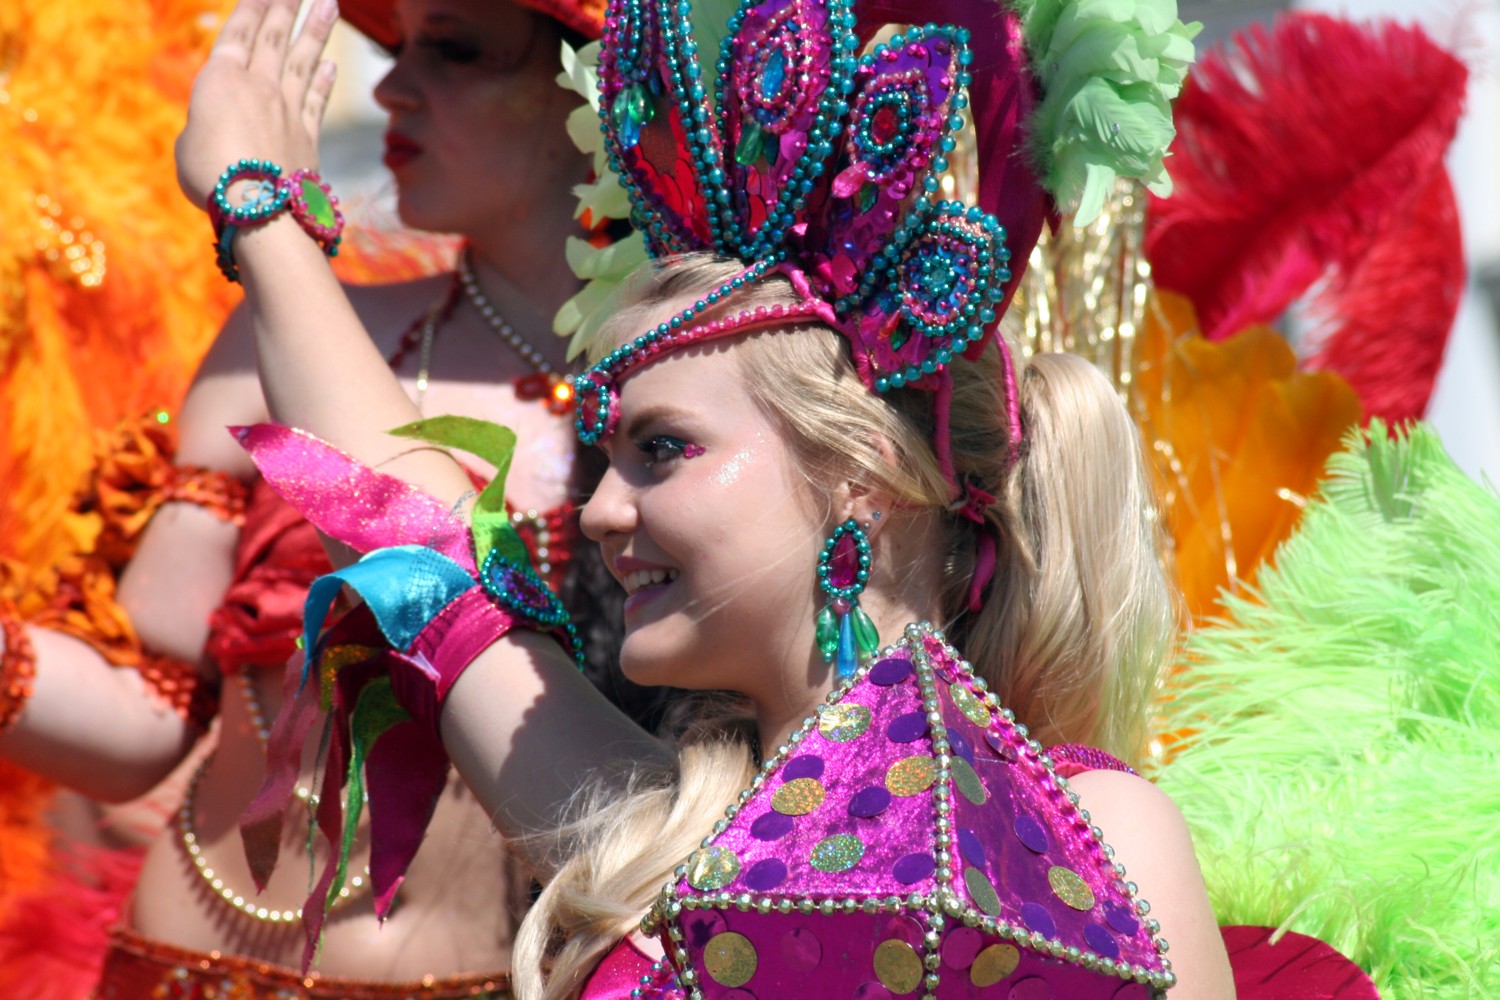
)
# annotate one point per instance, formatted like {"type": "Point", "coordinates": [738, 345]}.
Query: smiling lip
{"type": "Point", "coordinates": [643, 581]}
{"type": "Point", "coordinates": [399, 150]}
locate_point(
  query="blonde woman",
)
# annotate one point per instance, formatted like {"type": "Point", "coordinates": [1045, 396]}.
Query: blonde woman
{"type": "Point", "coordinates": [775, 497]}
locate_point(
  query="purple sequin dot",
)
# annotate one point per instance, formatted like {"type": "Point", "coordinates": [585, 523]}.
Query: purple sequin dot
{"type": "Point", "coordinates": [968, 842]}
{"type": "Point", "coordinates": [766, 875]}
{"type": "Point", "coordinates": [868, 803]}
{"type": "Point", "coordinates": [1131, 991]}
{"type": "Point", "coordinates": [1031, 988]}
{"type": "Point", "coordinates": [1031, 833]}
{"type": "Point", "coordinates": [872, 991]}
{"type": "Point", "coordinates": [704, 927]}
{"type": "Point", "coordinates": [1100, 941]}
{"type": "Point", "coordinates": [1036, 916]}
{"type": "Point", "coordinates": [771, 826]}
{"type": "Point", "coordinates": [801, 950]}
{"type": "Point", "coordinates": [913, 868]}
{"type": "Point", "coordinates": [806, 766]}
{"type": "Point", "coordinates": [997, 743]}
{"type": "Point", "coordinates": [890, 671]}
{"type": "Point", "coordinates": [907, 728]}
{"type": "Point", "coordinates": [961, 746]}
{"type": "Point", "coordinates": [1120, 918]}
{"type": "Point", "coordinates": [960, 947]}
{"type": "Point", "coordinates": [738, 995]}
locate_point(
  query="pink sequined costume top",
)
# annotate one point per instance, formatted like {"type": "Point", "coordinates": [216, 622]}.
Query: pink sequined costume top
{"type": "Point", "coordinates": [910, 840]}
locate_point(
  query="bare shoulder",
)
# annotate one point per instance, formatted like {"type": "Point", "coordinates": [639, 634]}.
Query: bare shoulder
{"type": "Point", "coordinates": [1151, 839]}
{"type": "Point", "coordinates": [1136, 799]}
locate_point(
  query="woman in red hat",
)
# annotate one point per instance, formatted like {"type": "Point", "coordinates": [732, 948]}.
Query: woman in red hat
{"type": "Point", "coordinates": [478, 146]}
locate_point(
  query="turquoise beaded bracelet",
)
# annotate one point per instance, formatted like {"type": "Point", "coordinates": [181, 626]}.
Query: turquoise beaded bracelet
{"type": "Point", "coordinates": [306, 194]}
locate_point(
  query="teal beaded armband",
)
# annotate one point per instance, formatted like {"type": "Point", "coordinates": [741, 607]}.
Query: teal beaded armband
{"type": "Point", "coordinates": [269, 194]}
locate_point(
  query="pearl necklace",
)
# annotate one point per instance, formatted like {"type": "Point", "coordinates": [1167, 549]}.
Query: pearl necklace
{"type": "Point", "coordinates": [189, 835]}
{"type": "Point", "coordinates": [496, 322]}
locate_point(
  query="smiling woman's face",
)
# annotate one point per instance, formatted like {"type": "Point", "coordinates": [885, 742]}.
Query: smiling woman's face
{"type": "Point", "coordinates": [707, 522]}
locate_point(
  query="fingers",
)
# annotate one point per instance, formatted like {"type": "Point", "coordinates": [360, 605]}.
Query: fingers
{"type": "Point", "coordinates": [269, 52]}
{"type": "Point", "coordinates": [237, 37]}
{"type": "Point", "coordinates": [302, 62]}
{"type": "Point", "coordinates": [315, 102]}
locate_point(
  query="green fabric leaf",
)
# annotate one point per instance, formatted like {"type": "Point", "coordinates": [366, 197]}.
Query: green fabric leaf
{"type": "Point", "coordinates": [605, 198]}
{"type": "Point", "coordinates": [496, 445]}
{"type": "Point", "coordinates": [375, 713]}
{"type": "Point", "coordinates": [613, 261]}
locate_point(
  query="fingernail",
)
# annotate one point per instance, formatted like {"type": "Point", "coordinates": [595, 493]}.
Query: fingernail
{"type": "Point", "coordinates": [328, 10]}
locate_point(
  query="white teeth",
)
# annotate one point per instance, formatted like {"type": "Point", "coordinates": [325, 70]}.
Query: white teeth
{"type": "Point", "coordinates": [647, 578]}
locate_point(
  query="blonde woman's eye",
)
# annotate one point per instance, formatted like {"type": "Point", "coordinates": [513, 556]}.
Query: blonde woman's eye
{"type": "Point", "coordinates": [662, 448]}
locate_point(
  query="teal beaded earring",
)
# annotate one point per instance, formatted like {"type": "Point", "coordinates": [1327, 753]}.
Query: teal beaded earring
{"type": "Point", "coordinates": [845, 633]}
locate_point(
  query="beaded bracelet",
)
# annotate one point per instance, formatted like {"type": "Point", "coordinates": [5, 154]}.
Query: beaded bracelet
{"type": "Point", "coordinates": [17, 670]}
{"type": "Point", "coordinates": [306, 194]}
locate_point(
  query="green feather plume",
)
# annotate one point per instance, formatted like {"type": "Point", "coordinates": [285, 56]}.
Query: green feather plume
{"type": "Point", "coordinates": [1341, 763]}
{"type": "Point", "coordinates": [1109, 71]}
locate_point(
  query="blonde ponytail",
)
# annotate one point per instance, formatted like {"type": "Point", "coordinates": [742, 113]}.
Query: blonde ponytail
{"type": "Point", "coordinates": [1081, 612]}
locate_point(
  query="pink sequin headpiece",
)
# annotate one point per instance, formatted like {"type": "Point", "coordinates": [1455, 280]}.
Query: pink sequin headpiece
{"type": "Point", "coordinates": [821, 164]}
{"type": "Point", "coordinates": [909, 840]}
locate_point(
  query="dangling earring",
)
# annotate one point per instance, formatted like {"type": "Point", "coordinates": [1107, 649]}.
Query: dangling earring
{"type": "Point", "coordinates": [845, 632]}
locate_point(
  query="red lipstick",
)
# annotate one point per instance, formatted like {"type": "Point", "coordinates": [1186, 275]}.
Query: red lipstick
{"type": "Point", "coordinates": [399, 150]}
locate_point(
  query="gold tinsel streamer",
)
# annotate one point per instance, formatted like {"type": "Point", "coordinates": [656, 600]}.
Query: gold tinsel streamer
{"type": "Point", "coordinates": [1085, 290]}
{"type": "Point", "coordinates": [1236, 437]}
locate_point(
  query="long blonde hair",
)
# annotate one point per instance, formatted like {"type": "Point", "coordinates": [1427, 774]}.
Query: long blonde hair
{"type": "Point", "coordinates": [1072, 634]}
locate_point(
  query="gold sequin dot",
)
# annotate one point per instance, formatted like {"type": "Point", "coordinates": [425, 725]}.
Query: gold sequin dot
{"type": "Point", "coordinates": [994, 964]}
{"type": "Point", "coordinates": [838, 853]}
{"type": "Point", "coordinates": [898, 966]}
{"type": "Point", "coordinates": [798, 797]}
{"type": "Point", "coordinates": [969, 705]}
{"type": "Point", "coordinates": [843, 723]}
{"type": "Point", "coordinates": [981, 891]}
{"type": "Point", "coordinates": [729, 959]}
{"type": "Point", "coordinates": [1070, 887]}
{"type": "Point", "coordinates": [713, 868]}
{"type": "Point", "coordinates": [967, 781]}
{"type": "Point", "coordinates": [911, 776]}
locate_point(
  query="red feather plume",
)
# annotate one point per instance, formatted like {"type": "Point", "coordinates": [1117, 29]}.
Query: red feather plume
{"type": "Point", "coordinates": [1309, 152]}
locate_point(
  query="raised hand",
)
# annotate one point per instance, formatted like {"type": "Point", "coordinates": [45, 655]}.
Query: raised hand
{"type": "Point", "coordinates": [261, 94]}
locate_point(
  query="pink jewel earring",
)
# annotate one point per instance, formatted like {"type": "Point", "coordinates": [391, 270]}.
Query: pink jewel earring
{"type": "Point", "coordinates": [845, 633]}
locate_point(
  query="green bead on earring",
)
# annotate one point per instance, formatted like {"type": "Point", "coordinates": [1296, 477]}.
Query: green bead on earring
{"type": "Point", "coordinates": [845, 635]}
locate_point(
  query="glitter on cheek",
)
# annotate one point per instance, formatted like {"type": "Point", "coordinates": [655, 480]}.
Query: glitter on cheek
{"type": "Point", "coordinates": [729, 473]}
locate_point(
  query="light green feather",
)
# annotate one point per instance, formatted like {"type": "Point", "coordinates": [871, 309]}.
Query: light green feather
{"type": "Point", "coordinates": [1109, 70]}
{"type": "Point", "coordinates": [1344, 781]}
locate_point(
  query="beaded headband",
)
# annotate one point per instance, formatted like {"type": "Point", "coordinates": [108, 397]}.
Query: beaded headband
{"type": "Point", "coordinates": [806, 158]}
